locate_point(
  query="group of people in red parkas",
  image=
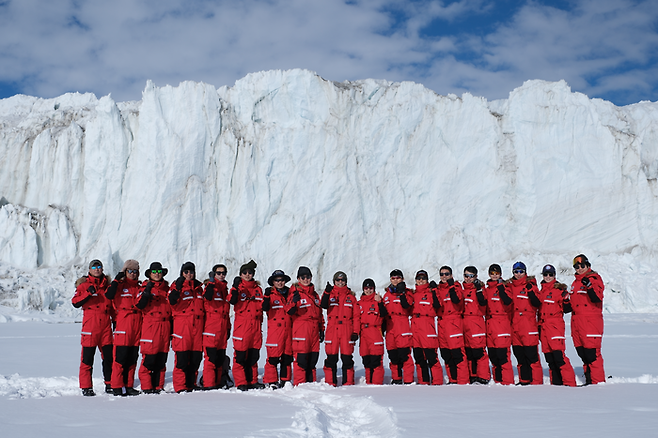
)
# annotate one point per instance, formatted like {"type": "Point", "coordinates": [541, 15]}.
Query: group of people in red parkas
{"type": "Point", "coordinates": [472, 325]}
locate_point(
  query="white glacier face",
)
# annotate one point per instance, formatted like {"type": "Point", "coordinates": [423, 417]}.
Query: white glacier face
{"type": "Point", "coordinates": [290, 169]}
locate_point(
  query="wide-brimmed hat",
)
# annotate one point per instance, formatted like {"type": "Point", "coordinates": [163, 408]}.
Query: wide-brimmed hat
{"type": "Point", "coordinates": [277, 274]}
{"type": "Point", "coordinates": [156, 266]}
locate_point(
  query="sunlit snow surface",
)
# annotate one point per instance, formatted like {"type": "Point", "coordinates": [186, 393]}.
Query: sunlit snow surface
{"type": "Point", "coordinates": [39, 396]}
{"type": "Point", "coordinates": [290, 169]}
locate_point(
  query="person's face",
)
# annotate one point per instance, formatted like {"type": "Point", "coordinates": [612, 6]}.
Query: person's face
{"type": "Point", "coordinates": [220, 273]}
{"type": "Point", "coordinates": [519, 274]}
{"type": "Point", "coordinates": [96, 271]}
{"type": "Point", "coordinates": [469, 277]}
{"type": "Point", "coordinates": [495, 276]}
{"type": "Point", "coordinates": [445, 275]}
{"type": "Point", "coordinates": [279, 283]}
{"type": "Point", "coordinates": [548, 277]}
{"type": "Point", "coordinates": [305, 280]}
{"type": "Point", "coordinates": [368, 290]}
{"type": "Point", "coordinates": [247, 275]}
{"type": "Point", "coordinates": [580, 268]}
{"type": "Point", "coordinates": [156, 275]}
{"type": "Point", "coordinates": [421, 280]}
{"type": "Point", "coordinates": [188, 275]}
{"type": "Point", "coordinates": [132, 274]}
{"type": "Point", "coordinates": [341, 282]}
{"type": "Point", "coordinates": [396, 280]}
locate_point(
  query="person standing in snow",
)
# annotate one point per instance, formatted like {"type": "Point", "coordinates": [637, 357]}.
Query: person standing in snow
{"type": "Point", "coordinates": [217, 327]}
{"type": "Point", "coordinates": [371, 344]}
{"type": "Point", "coordinates": [123, 292]}
{"type": "Point", "coordinates": [156, 329]}
{"type": "Point", "coordinates": [587, 318]}
{"type": "Point", "coordinates": [96, 326]}
{"type": "Point", "coordinates": [279, 331]}
{"type": "Point", "coordinates": [525, 331]}
{"type": "Point", "coordinates": [475, 332]}
{"type": "Point", "coordinates": [399, 338]}
{"type": "Point", "coordinates": [247, 300]}
{"type": "Point", "coordinates": [425, 305]}
{"type": "Point", "coordinates": [451, 328]}
{"type": "Point", "coordinates": [307, 326]}
{"type": "Point", "coordinates": [186, 300]}
{"type": "Point", "coordinates": [342, 329]}
{"type": "Point", "coordinates": [555, 303]}
{"type": "Point", "coordinates": [499, 326]}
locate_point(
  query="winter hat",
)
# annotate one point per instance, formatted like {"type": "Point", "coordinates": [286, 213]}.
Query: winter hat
{"type": "Point", "coordinates": [495, 268]}
{"type": "Point", "coordinates": [187, 266]}
{"type": "Point", "coordinates": [422, 274]}
{"type": "Point", "coordinates": [518, 265]}
{"type": "Point", "coordinates": [548, 269]}
{"type": "Point", "coordinates": [250, 266]}
{"type": "Point", "coordinates": [277, 274]}
{"type": "Point", "coordinates": [156, 266]}
{"type": "Point", "coordinates": [396, 273]}
{"type": "Point", "coordinates": [302, 271]}
{"type": "Point", "coordinates": [368, 282]}
{"type": "Point", "coordinates": [94, 263]}
{"type": "Point", "coordinates": [471, 269]}
{"type": "Point", "coordinates": [340, 275]}
{"type": "Point", "coordinates": [581, 258]}
{"type": "Point", "coordinates": [130, 264]}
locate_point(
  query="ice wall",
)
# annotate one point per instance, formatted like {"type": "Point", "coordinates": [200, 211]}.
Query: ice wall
{"type": "Point", "coordinates": [288, 169]}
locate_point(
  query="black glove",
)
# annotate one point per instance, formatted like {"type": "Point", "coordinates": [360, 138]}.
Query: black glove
{"type": "Point", "coordinates": [174, 296]}
{"type": "Point", "coordinates": [268, 291]}
{"type": "Point", "coordinates": [500, 288]}
{"type": "Point", "coordinates": [478, 285]}
{"type": "Point", "coordinates": [329, 288]}
{"type": "Point", "coordinates": [236, 282]}
{"type": "Point", "coordinates": [401, 287]}
{"type": "Point", "coordinates": [211, 276]}
{"type": "Point", "coordinates": [321, 335]}
{"type": "Point", "coordinates": [482, 301]}
{"type": "Point", "coordinates": [91, 290]}
{"type": "Point", "coordinates": [500, 281]}
{"type": "Point", "coordinates": [528, 286]}
{"type": "Point", "coordinates": [433, 284]}
{"type": "Point", "coordinates": [354, 337]}
{"type": "Point", "coordinates": [210, 291]}
{"type": "Point", "coordinates": [296, 297]}
{"type": "Point", "coordinates": [147, 289]}
{"type": "Point", "coordinates": [451, 281]}
{"type": "Point", "coordinates": [585, 281]}
{"type": "Point", "coordinates": [120, 276]}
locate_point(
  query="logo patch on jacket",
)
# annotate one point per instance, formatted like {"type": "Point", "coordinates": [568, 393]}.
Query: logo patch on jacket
{"type": "Point", "coordinates": [187, 292]}
{"type": "Point", "coordinates": [276, 301]}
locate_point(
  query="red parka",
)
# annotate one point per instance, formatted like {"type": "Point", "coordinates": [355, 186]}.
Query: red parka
{"type": "Point", "coordinates": [371, 337]}
{"type": "Point", "coordinates": [398, 326]}
{"type": "Point", "coordinates": [217, 327]}
{"type": "Point", "coordinates": [423, 319]}
{"type": "Point", "coordinates": [248, 330]}
{"type": "Point", "coordinates": [525, 330]}
{"type": "Point", "coordinates": [96, 321]}
{"type": "Point", "coordinates": [343, 319]}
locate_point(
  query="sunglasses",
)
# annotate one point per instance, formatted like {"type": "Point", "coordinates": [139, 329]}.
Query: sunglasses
{"type": "Point", "coordinates": [469, 275]}
{"type": "Point", "coordinates": [548, 274]}
{"type": "Point", "coordinates": [341, 280]}
{"type": "Point", "coordinates": [305, 277]}
{"type": "Point", "coordinates": [132, 271]}
{"type": "Point", "coordinates": [276, 280]}
{"type": "Point", "coordinates": [220, 272]}
{"type": "Point", "coordinates": [97, 267]}
{"type": "Point", "coordinates": [368, 288]}
{"type": "Point", "coordinates": [249, 271]}
{"type": "Point", "coordinates": [579, 266]}
{"type": "Point", "coordinates": [156, 271]}
{"type": "Point", "coordinates": [518, 271]}
{"type": "Point", "coordinates": [445, 274]}
{"type": "Point", "coordinates": [494, 273]}
{"type": "Point", "coordinates": [396, 277]}
{"type": "Point", "coordinates": [188, 271]}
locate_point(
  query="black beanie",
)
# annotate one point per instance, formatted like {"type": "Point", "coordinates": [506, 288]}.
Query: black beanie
{"type": "Point", "coordinates": [250, 266]}
{"type": "Point", "coordinates": [495, 268]}
{"type": "Point", "coordinates": [303, 270]}
{"type": "Point", "coordinates": [368, 282]}
{"type": "Point", "coordinates": [396, 273]}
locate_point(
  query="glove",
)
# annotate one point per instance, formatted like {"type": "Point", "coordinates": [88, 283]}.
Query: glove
{"type": "Point", "coordinates": [91, 290]}
{"type": "Point", "coordinates": [478, 284]}
{"type": "Point", "coordinates": [296, 297]}
{"type": "Point", "coordinates": [147, 289]}
{"type": "Point", "coordinates": [329, 288]}
{"type": "Point", "coordinates": [236, 282]}
{"type": "Point", "coordinates": [268, 291]}
{"type": "Point", "coordinates": [401, 287]}
{"type": "Point", "coordinates": [321, 335]}
{"type": "Point", "coordinates": [120, 276]}
{"type": "Point", "coordinates": [174, 296]}
{"type": "Point", "coordinates": [451, 281]}
{"type": "Point", "coordinates": [354, 337]}
{"type": "Point", "coordinates": [210, 291]}
{"type": "Point", "coordinates": [528, 286]}
{"type": "Point", "coordinates": [211, 276]}
{"type": "Point", "coordinates": [500, 281]}
{"type": "Point", "coordinates": [500, 288]}
{"type": "Point", "coordinates": [433, 284]}
{"type": "Point", "coordinates": [585, 281]}
{"type": "Point", "coordinates": [179, 283]}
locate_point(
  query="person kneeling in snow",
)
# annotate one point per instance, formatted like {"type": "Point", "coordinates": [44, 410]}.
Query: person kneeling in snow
{"type": "Point", "coordinates": [96, 325]}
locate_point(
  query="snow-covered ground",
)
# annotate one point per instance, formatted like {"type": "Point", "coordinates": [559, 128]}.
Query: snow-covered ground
{"type": "Point", "coordinates": [39, 396]}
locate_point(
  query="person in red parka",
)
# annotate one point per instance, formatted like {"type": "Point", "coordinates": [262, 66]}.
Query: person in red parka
{"type": "Point", "coordinates": [399, 338]}
{"type": "Point", "coordinates": [451, 329]}
{"type": "Point", "coordinates": [96, 326]}
{"type": "Point", "coordinates": [525, 331]}
{"type": "Point", "coordinates": [342, 329]}
{"type": "Point", "coordinates": [186, 299]}
{"type": "Point", "coordinates": [279, 331]}
{"type": "Point", "coordinates": [554, 299]}
{"type": "Point", "coordinates": [307, 326]}
{"type": "Point", "coordinates": [423, 326]}
{"type": "Point", "coordinates": [247, 300]}
{"type": "Point", "coordinates": [216, 329]}
{"type": "Point", "coordinates": [123, 293]}
{"type": "Point", "coordinates": [475, 331]}
{"type": "Point", "coordinates": [156, 329]}
{"type": "Point", "coordinates": [371, 344]}
{"type": "Point", "coordinates": [587, 318]}
{"type": "Point", "coordinates": [499, 326]}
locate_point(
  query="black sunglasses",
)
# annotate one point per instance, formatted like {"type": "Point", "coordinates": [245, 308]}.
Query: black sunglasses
{"type": "Point", "coordinates": [445, 274]}
{"type": "Point", "coordinates": [518, 271]}
{"type": "Point", "coordinates": [305, 277]}
{"type": "Point", "coordinates": [548, 274]}
{"type": "Point", "coordinates": [188, 271]}
{"type": "Point", "coordinates": [579, 266]}
{"type": "Point", "coordinates": [469, 275]}
{"type": "Point", "coordinates": [220, 272]}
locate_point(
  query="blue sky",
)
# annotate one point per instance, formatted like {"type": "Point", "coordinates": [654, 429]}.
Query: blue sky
{"type": "Point", "coordinates": [603, 48]}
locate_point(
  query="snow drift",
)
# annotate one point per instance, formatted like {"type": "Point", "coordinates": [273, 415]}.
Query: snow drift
{"type": "Point", "coordinates": [288, 169]}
